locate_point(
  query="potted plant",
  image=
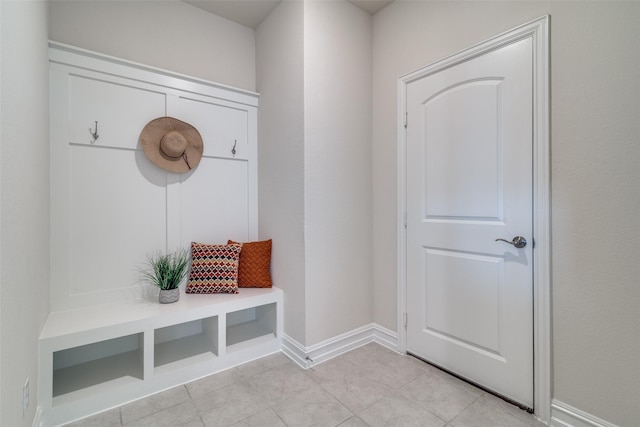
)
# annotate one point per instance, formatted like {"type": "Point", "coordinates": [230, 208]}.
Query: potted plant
{"type": "Point", "coordinates": [167, 272]}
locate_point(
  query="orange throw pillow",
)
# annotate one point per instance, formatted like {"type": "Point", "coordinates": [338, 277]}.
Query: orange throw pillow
{"type": "Point", "coordinates": [254, 267]}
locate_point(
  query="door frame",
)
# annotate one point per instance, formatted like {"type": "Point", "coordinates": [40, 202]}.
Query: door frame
{"type": "Point", "coordinates": [538, 31]}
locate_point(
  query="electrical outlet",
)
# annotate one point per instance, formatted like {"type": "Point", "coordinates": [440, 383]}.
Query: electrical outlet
{"type": "Point", "coordinates": [25, 398]}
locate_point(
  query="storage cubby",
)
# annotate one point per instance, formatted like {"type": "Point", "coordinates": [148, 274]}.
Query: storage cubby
{"type": "Point", "coordinates": [95, 358]}
{"type": "Point", "coordinates": [185, 343]}
{"type": "Point", "coordinates": [251, 326]}
{"type": "Point", "coordinates": [99, 365]}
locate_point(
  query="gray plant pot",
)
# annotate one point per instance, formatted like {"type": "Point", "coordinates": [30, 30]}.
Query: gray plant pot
{"type": "Point", "coordinates": [168, 296]}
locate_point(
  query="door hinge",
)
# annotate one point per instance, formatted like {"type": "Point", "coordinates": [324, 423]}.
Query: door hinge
{"type": "Point", "coordinates": [404, 319]}
{"type": "Point", "coordinates": [404, 219]}
{"type": "Point", "coordinates": [406, 119]}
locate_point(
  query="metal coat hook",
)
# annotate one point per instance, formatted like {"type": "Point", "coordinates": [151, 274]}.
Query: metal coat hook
{"type": "Point", "coordinates": [233, 150]}
{"type": "Point", "coordinates": [94, 133]}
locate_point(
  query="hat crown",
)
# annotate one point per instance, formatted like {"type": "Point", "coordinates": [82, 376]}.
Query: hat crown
{"type": "Point", "coordinates": [173, 144]}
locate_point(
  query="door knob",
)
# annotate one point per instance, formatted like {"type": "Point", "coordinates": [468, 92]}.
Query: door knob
{"type": "Point", "coordinates": [518, 241]}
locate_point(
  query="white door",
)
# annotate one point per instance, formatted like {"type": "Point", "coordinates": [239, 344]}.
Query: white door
{"type": "Point", "coordinates": [469, 182]}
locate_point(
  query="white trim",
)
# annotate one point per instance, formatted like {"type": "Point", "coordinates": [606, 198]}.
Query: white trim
{"type": "Point", "coordinates": [37, 418]}
{"type": "Point", "coordinates": [564, 415]}
{"type": "Point", "coordinates": [401, 215]}
{"type": "Point", "coordinates": [295, 351]}
{"type": "Point", "coordinates": [385, 337]}
{"type": "Point", "coordinates": [541, 222]}
{"type": "Point", "coordinates": [538, 31]}
{"type": "Point", "coordinates": [307, 357]}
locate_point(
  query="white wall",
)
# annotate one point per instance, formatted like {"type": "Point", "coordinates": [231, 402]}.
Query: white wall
{"type": "Point", "coordinates": [595, 178]}
{"type": "Point", "coordinates": [279, 61]}
{"type": "Point", "coordinates": [171, 35]}
{"type": "Point", "coordinates": [337, 117]}
{"type": "Point", "coordinates": [596, 206]}
{"type": "Point", "coordinates": [314, 77]}
{"type": "Point", "coordinates": [24, 202]}
{"type": "Point", "coordinates": [1, 55]}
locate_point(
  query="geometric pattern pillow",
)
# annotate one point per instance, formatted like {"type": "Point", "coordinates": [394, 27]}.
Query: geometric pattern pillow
{"type": "Point", "coordinates": [214, 269]}
{"type": "Point", "coordinates": [254, 270]}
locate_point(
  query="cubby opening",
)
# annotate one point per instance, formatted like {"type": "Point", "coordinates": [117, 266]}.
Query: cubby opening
{"type": "Point", "coordinates": [186, 343]}
{"type": "Point", "coordinates": [99, 365]}
{"type": "Point", "coordinates": [251, 326]}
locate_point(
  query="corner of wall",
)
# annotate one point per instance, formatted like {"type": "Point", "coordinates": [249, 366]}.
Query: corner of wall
{"type": "Point", "coordinates": [279, 76]}
{"type": "Point", "coordinates": [24, 206]}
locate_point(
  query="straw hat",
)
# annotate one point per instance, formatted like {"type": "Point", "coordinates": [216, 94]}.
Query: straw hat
{"type": "Point", "coordinates": [172, 144]}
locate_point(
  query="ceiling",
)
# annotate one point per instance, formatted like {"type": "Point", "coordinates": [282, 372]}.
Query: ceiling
{"type": "Point", "coordinates": [252, 12]}
{"type": "Point", "coordinates": [371, 6]}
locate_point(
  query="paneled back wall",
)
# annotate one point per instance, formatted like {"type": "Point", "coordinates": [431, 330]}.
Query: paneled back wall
{"type": "Point", "coordinates": [111, 207]}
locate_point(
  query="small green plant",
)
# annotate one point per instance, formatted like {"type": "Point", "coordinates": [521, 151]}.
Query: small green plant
{"type": "Point", "coordinates": [167, 271]}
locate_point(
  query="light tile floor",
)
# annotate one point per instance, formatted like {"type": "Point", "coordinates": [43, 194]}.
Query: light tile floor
{"type": "Point", "coordinates": [369, 386]}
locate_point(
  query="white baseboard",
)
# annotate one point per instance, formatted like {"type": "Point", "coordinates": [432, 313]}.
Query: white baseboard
{"type": "Point", "coordinates": [307, 357]}
{"type": "Point", "coordinates": [36, 418]}
{"type": "Point", "coordinates": [385, 337]}
{"type": "Point", "coordinates": [564, 415]}
{"type": "Point", "coordinates": [295, 351]}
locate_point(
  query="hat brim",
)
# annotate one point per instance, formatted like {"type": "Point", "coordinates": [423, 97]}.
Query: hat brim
{"type": "Point", "coordinates": [152, 134]}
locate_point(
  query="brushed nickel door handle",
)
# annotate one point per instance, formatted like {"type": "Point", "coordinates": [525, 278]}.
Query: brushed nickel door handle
{"type": "Point", "coordinates": [518, 241]}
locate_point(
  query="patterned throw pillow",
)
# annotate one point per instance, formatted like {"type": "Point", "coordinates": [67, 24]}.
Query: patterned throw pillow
{"type": "Point", "coordinates": [214, 269]}
{"type": "Point", "coordinates": [254, 270]}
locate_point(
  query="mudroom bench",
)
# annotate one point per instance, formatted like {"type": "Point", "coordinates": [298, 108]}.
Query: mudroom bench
{"type": "Point", "coordinates": [99, 357]}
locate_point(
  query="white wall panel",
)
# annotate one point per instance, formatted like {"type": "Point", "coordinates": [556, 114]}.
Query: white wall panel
{"type": "Point", "coordinates": [111, 207]}
{"type": "Point", "coordinates": [119, 108]}
{"type": "Point", "coordinates": [213, 203]}
{"type": "Point", "coordinates": [222, 126]}
{"type": "Point", "coordinates": [117, 216]}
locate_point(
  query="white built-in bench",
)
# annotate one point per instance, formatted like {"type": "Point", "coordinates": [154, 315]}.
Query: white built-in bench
{"type": "Point", "coordinates": [99, 357]}
{"type": "Point", "coordinates": [92, 356]}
